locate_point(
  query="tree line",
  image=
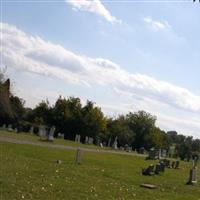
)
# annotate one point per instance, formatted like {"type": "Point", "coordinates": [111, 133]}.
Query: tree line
{"type": "Point", "coordinates": [71, 117]}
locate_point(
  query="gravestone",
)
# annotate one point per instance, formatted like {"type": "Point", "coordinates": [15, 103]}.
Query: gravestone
{"type": "Point", "coordinates": [192, 176]}
{"type": "Point", "coordinates": [173, 164]}
{"type": "Point", "coordinates": [101, 145]}
{"type": "Point", "coordinates": [42, 132]}
{"type": "Point", "coordinates": [158, 168]}
{"type": "Point", "coordinates": [10, 127]}
{"type": "Point", "coordinates": [31, 130]}
{"type": "Point", "coordinates": [141, 150]}
{"type": "Point", "coordinates": [86, 140]}
{"type": "Point", "coordinates": [76, 138]}
{"type": "Point", "coordinates": [162, 166]}
{"type": "Point", "coordinates": [51, 133]}
{"type": "Point", "coordinates": [79, 138]}
{"type": "Point", "coordinates": [90, 140]}
{"type": "Point", "coordinates": [177, 163]}
{"type": "Point", "coordinates": [16, 130]}
{"type": "Point", "coordinates": [153, 154]}
{"type": "Point", "coordinates": [115, 143]}
{"type": "Point", "coordinates": [164, 153]}
{"type": "Point", "coordinates": [97, 141]}
{"type": "Point", "coordinates": [4, 126]}
{"type": "Point", "coordinates": [78, 156]}
{"type": "Point", "coordinates": [149, 171]}
{"type": "Point", "coordinates": [109, 142]}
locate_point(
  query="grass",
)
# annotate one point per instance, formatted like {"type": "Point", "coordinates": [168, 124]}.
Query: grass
{"type": "Point", "coordinates": [35, 138]}
{"type": "Point", "coordinates": [30, 172]}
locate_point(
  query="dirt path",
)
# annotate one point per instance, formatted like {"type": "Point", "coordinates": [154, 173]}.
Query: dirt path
{"type": "Point", "coordinates": [59, 146]}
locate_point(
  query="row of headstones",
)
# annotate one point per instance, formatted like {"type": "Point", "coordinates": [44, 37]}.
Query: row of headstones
{"type": "Point", "coordinates": [157, 153]}
{"type": "Point", "coordinates": [9, 128]}
{"type": "Point", "coordinates": [160, 167]}
{"type": "Point", "coordinates": [90, 140]}
{"type": "Point", "coordinates": [45, 134]}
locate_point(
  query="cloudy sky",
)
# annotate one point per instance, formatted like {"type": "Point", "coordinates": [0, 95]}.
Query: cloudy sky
{"type": "Point", "coordinates": [123, 55]}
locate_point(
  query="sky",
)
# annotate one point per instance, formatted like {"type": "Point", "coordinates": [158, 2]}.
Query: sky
{"type": "Point", "coordinates": [123, 55]}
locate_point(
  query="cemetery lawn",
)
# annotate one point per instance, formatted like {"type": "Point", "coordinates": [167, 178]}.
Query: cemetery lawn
{"type": "Point", "coordinates": [32, 137]}
{"type": "Point", "coordinates": [30, 172]}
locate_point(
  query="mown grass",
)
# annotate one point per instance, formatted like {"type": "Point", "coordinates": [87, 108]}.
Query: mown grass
{"type": "Point", "coordinates": [35, 138]}
{"type": "Point", "coordinates": [30, 172]}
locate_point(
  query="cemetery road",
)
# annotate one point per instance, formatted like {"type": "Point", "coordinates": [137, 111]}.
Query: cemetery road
{"type": "Point", "coordinates": [59, 146]}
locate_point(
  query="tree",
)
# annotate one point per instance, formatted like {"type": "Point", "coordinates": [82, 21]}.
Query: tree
{"type": "Point", "coordinates": [141, 123]}
{"type": "Point", "coordinates": [119, 127]}
{"type": "Point", "coordinates": [94, 122]}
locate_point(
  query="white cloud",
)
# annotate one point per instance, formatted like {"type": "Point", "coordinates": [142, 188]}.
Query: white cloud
{"type": "Point", "coordinates": [156, 25]}
{"type": "Point", "coordinates": [33, 54]}
{"type": "Point", "coordinates": [93, 6]}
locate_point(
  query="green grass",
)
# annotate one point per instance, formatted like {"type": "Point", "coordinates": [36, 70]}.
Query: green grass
{"type": "Point", "coordinates": [30, 172]}
{"type": "Point", "coordinates": [35, 138]}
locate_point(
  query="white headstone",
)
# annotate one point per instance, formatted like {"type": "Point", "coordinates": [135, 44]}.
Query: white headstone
{"type": "Point", "coordinates": [31, 130]}
{"type": "Point", "coordinates": [86, 140]}
{"type": "Point", "coordinates": [51, 133]}
{"type": "Point", "coordinates": [115, 143]}
{"type": "Point", "coordinates": [10, 127]}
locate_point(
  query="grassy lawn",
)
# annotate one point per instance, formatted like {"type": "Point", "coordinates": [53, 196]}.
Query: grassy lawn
{"type": "Point", "coordinates": [30, 172]}
{"type": "Point", "coordinates": [35, 138]}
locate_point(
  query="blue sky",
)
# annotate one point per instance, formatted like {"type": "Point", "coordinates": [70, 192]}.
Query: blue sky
{"type": "Point", "coordinates": [123, 55]}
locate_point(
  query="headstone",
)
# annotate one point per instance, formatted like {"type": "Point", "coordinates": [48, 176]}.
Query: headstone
{"type": "Point", "coordinates": [149, 186]}
{"type": "Point", "coordinates": [149, 171]}
{"type": "Point", "coordinates": [51, 133]}
{"type": "Point", "coordinates": [86, 140]}
{"type": "Point", "coordinates": [109, 142]}
{"type": "Point", "coordinates": [78, 156]}
{"type": "Point", "coordinates": [4, 126]}
{"type": "Point", "coordinates": [164, 153]}
{"type": "Point", "coordinates": [76, 138]}
{"type": "Point", "coordinates": [101, 145]}
{"type": "Point", "coordinates": [192, 176]}
{"type": "Point", "coordinates": [31, 130]}
{"type": "Point", "coordinates": [42, 131]}
{"type": "Point", "coordinates": [158, 168]}
{"type": "Point", "coordinates": [176, 166]}
{"type": "Point", "coordinates": [115, 143]}
{"type": "Point", "coordinates": [10, 127]}
{"type": "Point", "coordinates": [173, 164]}
{"type": "Point", "coordinates": [79, 139]}
{"type": "Point", "coordinates": [90, 140]}
{"type": "Point", "coordinates": [153, 154]}
{"type": "Point", "coordinates": [98, 141]}
{"type": "Point", "coordinates": [16, 130]}
{"type": "Point", "coordinates": [162, 166]}
{"type": "Point", "coordinates": [142, 150]}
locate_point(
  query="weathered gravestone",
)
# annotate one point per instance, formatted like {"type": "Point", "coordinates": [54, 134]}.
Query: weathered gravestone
{"type": "Point", "coordinates": [78, 156]}
{"type": "Point", "coordinates": [141, 150]}
{"type": "Point", "coordinates": [10, 127]}
{"type": "Point", "coordinates": [158, 168]}
{"type": "Point", "coordinates": [193, 174]}
{"type": "Point", "coordinates": [149, 171]}
{"type": "Point", "coordinates": [153, 154]}
{"type": "Point", "coordinates": [77, 138]}
{"type": "Point", "coordinates": [115, 143]}
{"type": "Point", "coordinates": [51, 134]}
{"type": "Point", "coordinates": [42, 132]}
{"type": "Point", "coordinates": [31, 130]}
{"type": "Point", "coordinates": [90, 140]}
{"type": "Point", "coordinates": [86, 140]}
{"type": "Point", "coordinates": [4, 126]}
{"type": "Point", "coordinates": [109, 142]}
